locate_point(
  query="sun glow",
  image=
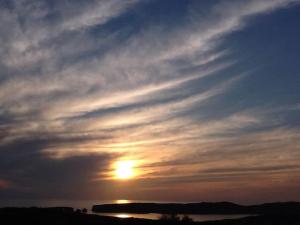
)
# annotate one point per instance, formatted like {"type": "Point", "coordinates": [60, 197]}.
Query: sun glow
{"type": "Point", "coordinates": [125, 170]}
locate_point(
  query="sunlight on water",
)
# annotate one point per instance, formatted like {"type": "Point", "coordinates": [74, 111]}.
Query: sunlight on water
{"type": "Point", "coordinates": [123, 215]}
{"type": "Point", "coordinates": [122, 201]}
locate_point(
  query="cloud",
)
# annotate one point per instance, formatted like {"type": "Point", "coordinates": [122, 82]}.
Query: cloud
{"type": "Point", "coordinates": [36, 175]}
{"type": "Point", "coordinates": [82, 85]}
{"type": "Point", "coordinates": [87, 15]}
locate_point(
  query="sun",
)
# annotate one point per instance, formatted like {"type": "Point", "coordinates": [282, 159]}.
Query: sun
{"type": "Point", "coordinates": [124, 170]}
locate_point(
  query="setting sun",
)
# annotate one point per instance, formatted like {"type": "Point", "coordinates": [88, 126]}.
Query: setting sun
{"type": "Point", "coordinates": [124, 170]}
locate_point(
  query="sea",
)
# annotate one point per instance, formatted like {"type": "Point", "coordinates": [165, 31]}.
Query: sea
{"type": "Point", "coordinates": [80, 204]}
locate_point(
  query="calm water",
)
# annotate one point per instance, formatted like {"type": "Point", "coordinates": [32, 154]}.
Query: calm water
{"type": "Point", "coordinates": [89, 203]}
{"type": "Point", "coordinates": [154, 216]}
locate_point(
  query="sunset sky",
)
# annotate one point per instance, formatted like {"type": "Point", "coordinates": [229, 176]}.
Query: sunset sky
{"type": "Point", "coordinates": [171, 100]}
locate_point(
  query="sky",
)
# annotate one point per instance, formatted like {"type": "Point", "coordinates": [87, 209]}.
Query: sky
{"type": "Point", "coordinates": [201, 98]}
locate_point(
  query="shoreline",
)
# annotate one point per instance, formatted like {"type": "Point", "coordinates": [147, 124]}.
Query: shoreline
{"type": "Point", "coordinates": [67, 215]}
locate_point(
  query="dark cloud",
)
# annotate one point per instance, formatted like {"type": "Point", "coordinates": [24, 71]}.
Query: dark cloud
{"type": "Point", "coordinates": [33, 174]}
{"type": "Point", "coordinates": [261, 169]}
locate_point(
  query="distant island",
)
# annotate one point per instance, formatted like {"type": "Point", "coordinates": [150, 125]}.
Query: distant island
{"type": "Point", "coordinates": [200, 208]}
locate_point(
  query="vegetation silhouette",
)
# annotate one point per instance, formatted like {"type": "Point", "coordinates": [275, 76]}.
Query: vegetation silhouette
{"type": "Point", "coordinates": [175, 218]}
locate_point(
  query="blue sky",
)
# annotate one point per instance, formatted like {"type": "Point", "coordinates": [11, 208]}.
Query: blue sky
{"type": "Point", "coordinates": [202, 96]}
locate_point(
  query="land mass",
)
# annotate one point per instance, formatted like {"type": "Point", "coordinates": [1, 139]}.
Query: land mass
{"type": "Point", "coordinates": [200, 208]}
{"type": "Point", "coordinates": [69, 216]}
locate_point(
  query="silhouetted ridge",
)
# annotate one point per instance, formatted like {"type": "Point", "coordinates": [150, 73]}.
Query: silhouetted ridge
{"type": "Point", "coordinates": [200, 208]}
{"type": "Point", "coordinates": [37, 210]}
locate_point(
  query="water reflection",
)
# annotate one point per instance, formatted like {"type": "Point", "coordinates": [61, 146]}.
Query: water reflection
{"type": "Point", "coordinates": [155, 216]}
{"type": "Point", "coordinates": [152, 216]}
{"type": "Point", "coordinates": [123, 215]}
{"type": "Point", "coordinates": [122, 201]}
